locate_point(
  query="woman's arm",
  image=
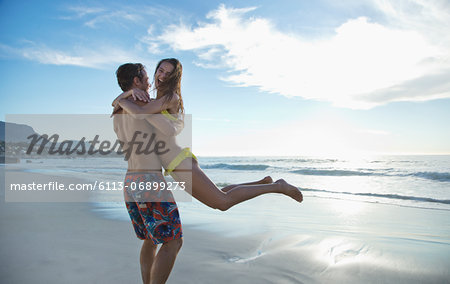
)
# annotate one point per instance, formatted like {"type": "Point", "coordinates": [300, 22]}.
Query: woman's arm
{"type": "Point", "coordinates": [166, 126]}
{"type": "Point", "coordinates": [135, 93]}
{"type": "Point", "coordinates": [152, 107]}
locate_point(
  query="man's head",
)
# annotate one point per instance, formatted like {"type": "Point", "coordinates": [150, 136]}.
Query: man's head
{"type": "Point", "coordinates": [132, 75]}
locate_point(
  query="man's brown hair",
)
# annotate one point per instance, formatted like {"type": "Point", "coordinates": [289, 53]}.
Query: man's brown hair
{"type": "Point", "coordinates": [126, 73]}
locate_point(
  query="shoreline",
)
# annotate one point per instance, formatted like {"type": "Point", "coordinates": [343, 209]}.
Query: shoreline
{"type": "Point", "coordinates": [70, 243]}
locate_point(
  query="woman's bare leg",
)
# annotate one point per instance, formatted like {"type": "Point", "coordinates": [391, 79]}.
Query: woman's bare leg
{"type": "Point", "coordinates": [207, 192]}
{"type": "Point", "coordinates": [265, 180]}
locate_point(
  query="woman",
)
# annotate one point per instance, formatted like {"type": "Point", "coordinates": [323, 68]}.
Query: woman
{"type": "Point", "coordinates": [180, 162]}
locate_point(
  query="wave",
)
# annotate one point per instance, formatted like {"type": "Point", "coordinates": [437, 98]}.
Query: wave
{"type": "Point", "coordinates": [437, 176]}
{"type": "Point", "coordinates": [302, 160]}
{"type": "Point", "coordinates": [368, 194]}
{"type": "Point", "coordinates": [249, 167]}
{"type": "Point", "coordinates": [389, 196]}
{"type": "Point", "coordinates": [434, 176]}
{"type": "Point", "coordinates": [384, 172]}
{"type": "Point", "coordinates": [325, 172]}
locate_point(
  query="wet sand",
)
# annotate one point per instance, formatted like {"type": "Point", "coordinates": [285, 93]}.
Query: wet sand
{"type": "Point", "coordinates": [69, 243]}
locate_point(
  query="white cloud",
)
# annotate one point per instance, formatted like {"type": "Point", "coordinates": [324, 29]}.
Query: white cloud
{"type": "Point", "coordinates": [93, 17]}
{"type": "Point", "coordinates": [48, 56]}
{"type": "Point", "coordinates": [97, 51]}
{"type": "Point", "coordinates": [84, 57]}
{"type": "Point", "coordinates": [115, 17]}
{"type": "Point", "coordinates": [77, 12]}
{"type": "Point", "coordinates": [364, 64]}
{"type": "Point", "coordinates": [81, 11]}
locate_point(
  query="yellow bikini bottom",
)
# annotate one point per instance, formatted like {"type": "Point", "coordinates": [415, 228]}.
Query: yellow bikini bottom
{"type": "Point", "coordinates": [185, 153]}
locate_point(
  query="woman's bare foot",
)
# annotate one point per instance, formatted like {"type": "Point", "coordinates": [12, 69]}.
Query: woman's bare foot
{"type": "Point", "coordinates": [290, 190]}
{"type": "Point", "coordinates": [266, 180]}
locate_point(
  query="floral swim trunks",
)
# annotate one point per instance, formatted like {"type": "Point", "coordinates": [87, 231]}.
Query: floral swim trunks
{"type": "Point", "coordinates": [154, 213]}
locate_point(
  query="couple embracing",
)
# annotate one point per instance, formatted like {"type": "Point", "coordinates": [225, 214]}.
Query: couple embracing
{"type": "Point", "coordinates": [154, 214]}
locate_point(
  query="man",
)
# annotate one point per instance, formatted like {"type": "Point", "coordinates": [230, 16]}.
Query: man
{"type": "Point", "coordinates": [155, 220]}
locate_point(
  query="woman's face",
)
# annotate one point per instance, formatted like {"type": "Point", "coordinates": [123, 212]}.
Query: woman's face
{"type": "Point", "coordinates": [163, 71]}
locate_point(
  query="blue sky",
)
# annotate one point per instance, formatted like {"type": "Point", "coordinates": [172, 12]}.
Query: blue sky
{"type": "Point", "coordinates": [260, 77]}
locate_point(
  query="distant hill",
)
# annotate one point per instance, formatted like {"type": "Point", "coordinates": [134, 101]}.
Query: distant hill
{"type": "Point", "coordinates": [16, 132]}
{"type": "Point", "coordinates": [19, 132]}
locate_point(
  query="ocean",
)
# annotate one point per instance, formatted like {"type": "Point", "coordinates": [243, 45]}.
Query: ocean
{"type": "Point", "coordinates": [417, 181]}
{"type": "Point", "coordinates": [408, 181]}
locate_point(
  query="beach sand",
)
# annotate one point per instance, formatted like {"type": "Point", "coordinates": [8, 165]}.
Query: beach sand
{"type": "Point", "coordinates": [69, 243]}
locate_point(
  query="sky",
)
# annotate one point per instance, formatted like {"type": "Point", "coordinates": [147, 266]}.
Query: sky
{"type": "Point", "coordinates": [303, 78]}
